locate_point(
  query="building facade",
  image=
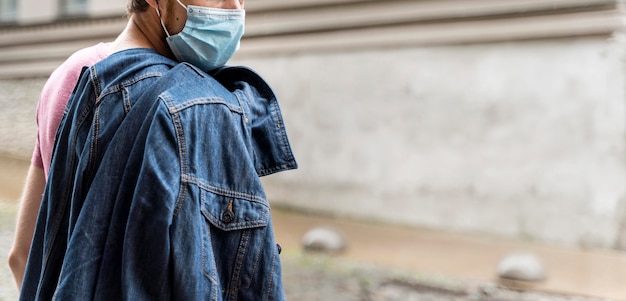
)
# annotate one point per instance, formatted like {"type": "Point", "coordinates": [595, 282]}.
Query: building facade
{"type": "Point", "coordinates": [496, 117]}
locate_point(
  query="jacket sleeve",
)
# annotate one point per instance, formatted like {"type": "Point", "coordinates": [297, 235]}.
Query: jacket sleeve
{"type": "Point", "coordinates": [50, 238]}
{"type": "Point", "coordinates": [150, 189]}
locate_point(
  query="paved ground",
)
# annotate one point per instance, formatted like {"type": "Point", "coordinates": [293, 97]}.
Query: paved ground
{"type": "Point", "coordinates": [311, 277]}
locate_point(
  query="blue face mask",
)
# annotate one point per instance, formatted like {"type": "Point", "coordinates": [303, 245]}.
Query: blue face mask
{"type": "Point", "coordinates": [210, 38]}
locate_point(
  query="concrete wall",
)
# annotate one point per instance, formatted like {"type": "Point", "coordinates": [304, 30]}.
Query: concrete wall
{"type": "Point", "coordinates": [36, 11]}
{"type": "Point", "coordinates": [41, 11]}
{"type": "Point", "coordinates": [106, 8]}
{"type": "Point", "coordinates": [17, 117]}
{"type": "Point", "coordinates": [520, 139]}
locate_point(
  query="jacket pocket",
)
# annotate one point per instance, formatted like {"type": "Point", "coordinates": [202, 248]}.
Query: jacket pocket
{"type": "Point", "coordinates": [231, 213]}
{"type": "Point", "coordinates": [236, 234]}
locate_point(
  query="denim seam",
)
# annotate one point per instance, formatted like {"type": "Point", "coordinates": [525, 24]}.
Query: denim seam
{"type": "Point", "coordinates": [126, 99]}
{"type": "Point", "coordinates": [243, 106]}
{"type": "Point", "coordinates": [275, 169]}
{"type": "Point", "coordinates": [207, 261]}
{"type": "Point", "coordinates": [127, 83]}
{"type": "Point", "coordinates": [182, 153]}
{"type": "Point", "coordinates": [249, 224]}
{"type": "Point", "coordinates": [271, 277]}
{"type": "Point", "coordinates": [227, 192]}
{"type": "Point", "coordinates": [93, 74]}
{"type": "Point", "coordinates": [213, 279]}
{"type": "Point", "coordinates": [280, 127]}
{"type": "Point", "coordinates": [241, 253]}
{"type": "Point", "coordinates": [204, 101]}
{"type": "Point", "coordinates": [93, 145]}
{"type": "Point", "coordinates": [257, 258]}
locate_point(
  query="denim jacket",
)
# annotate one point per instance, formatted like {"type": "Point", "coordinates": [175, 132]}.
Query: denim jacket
{"type": "Point", "coordinates": [154, 189]}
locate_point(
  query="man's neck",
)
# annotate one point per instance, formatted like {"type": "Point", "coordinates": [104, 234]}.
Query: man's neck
{"type": "Point", "coordinates": [142, 31]}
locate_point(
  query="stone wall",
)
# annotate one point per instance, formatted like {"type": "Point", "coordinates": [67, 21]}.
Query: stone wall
{"type": "Point", "coordinates": [519, 139]}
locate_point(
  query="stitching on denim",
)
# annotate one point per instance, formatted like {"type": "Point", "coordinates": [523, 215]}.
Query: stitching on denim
{"type": "Point", "coordinates": [243, 106]}
{"type": "Point", "coordinates": [127, 83]}
{"type": "Point", "coordinates": [202, 200]}
{"type": "Point", "coordinates": [275, 169]}
{"type": "Point", "coordinates": [280, 126]}
{"type": "Point", "coordinates": [275, 114]}
{"type": "Point", "coordinates": [134, 80]}
{"type": "Point", "coordinates": [205, 260]}
{"type": "Point", "coordinates": [130, 82]}
{"type": "Point", "coordinates": [208, 256]}
{"type": "Point", "coordinates": [263, 87]}
{"type": "Point", "coordinates": [210, 260]}
{"type": "Point", "coordinates": [249, 224]}
{"type": "Point", "coordinates": [126, 99]}
{"type": "Point", "coordinates": [204, 101]}
{"type": "Point", "coordinates": [227, 192]}
{"type": "Point", "coordinates": [182, 154]}
{"type": "Point", "coordinates": [257, 257]}
{"type": "Point", "coordinates": [94, 79]}
{"type": "Point", "coordinates": [241, 253]}
{"type": "Point", "coordinates": [93, 145]}
{"type": "Point", "coordinates": [271, 278]}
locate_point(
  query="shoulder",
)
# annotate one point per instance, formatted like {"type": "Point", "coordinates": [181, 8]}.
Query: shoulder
{"type": "Point", "coordinates": [89, 55]}
{"type": "Point", "coordinates": [130, 63]}
{"type": "Point", "coordinates": [85, 57]}
{"type": "Point", "coordinates": [62, 80]}
{"type": "Point", "coordinates": [129, 67]}
{"type": "Point", "coordinates": [186, 82]}
{"type": "Point", "coordinates": [65, 76]}
{"type": "Point", "coordinates": [225, 79]}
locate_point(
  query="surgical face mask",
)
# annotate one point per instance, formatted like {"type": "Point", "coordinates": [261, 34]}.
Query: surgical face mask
{"type": "Point", "coordinates": [210, 38]}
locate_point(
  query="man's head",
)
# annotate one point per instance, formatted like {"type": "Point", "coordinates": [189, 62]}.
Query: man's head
{"type": "Point", "coordinates": [174, 14]}
{"type": "Point", "coordinates": [135, 6]}
{"type": "Point", "coordinates": [205, 33]}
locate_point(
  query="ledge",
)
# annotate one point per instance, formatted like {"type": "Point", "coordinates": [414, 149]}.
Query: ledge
{"type": "Point", "coordinates": [466, 32]}
{"type": "Point", "coordinates": [287, 27]}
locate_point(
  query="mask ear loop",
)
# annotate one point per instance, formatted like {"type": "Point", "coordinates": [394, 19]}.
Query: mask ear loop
{"type": "Point", "coordinates": [181, 4]}
{"type": "Point", "coordinates": [161, 19]}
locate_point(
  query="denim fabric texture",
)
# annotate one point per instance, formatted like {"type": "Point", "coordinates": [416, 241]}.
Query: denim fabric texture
{"type": "Point", "coordinates": [154, 190]}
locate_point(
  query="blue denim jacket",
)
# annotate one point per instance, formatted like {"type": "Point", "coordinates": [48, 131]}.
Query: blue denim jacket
{"type": "Point", "coordinates": [154, 189]}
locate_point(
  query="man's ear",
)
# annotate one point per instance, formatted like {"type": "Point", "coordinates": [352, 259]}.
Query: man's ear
{"type": "Point", "coordinates": [153, 3]}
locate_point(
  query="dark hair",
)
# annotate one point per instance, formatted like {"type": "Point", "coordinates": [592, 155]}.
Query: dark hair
{"type": "Point", "coordinates": [137, 6]}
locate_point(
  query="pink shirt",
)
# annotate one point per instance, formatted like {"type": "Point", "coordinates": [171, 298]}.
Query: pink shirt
{"type": "Point", "coordinates": [54, 97]}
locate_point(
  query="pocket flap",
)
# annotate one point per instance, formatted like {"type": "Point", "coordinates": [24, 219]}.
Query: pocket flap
{"type": "Point", "coordinates": [230, 213]}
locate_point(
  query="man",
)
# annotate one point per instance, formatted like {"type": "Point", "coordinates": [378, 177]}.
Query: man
{"type": "Point", "coordinates": [154, 189]}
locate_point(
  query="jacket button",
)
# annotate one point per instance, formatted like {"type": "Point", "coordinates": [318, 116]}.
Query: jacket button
{"type": "Point", "coordinates": [228, 216]}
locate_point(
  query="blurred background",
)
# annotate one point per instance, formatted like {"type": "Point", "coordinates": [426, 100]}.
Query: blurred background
{"type": "Point", "coordinates": [450, 132]}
